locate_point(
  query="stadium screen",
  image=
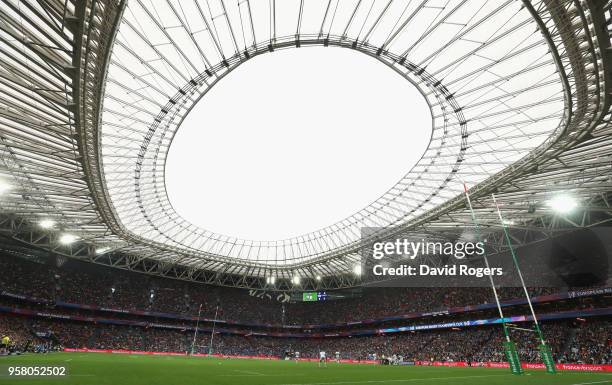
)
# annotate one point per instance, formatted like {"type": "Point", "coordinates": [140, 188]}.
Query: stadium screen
{"type": "Point", "coordinates": [313, 296]}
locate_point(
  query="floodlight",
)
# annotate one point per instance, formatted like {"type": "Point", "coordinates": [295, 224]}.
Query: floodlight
{"type": "Point", "coordinates": [357, 269]}
{"type": "Point", "coordinates": [563, 204]}
{"type": "Point", "coordinates": [66, 239]}
{"type": "Point", "coordinates": [46, 223]}
{"type": "Point", "coordinates": [4, 186]}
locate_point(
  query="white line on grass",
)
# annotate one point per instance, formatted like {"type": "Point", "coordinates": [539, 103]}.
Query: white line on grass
{"type": "Point", "coordinates": [402, 380]}
{"type": "Point", "coordinates": [595, 382]}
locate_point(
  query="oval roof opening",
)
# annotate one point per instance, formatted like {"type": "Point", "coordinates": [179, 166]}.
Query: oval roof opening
{"type": "Point", "coordinates": [293, 141]}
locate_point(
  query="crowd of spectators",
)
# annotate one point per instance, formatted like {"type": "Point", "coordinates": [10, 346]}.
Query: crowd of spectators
{"type": "Point", "coordinates": [590, 345]}
{"type": "Point", "coordinates": [84, 283]}
{"type": "Point", "coordinates": [75, 282]}
{"type": "Point", "coordinates": [16, 328]}
{"type": "Point", "coordinates": [21, 335]}
{"type": "Point", "coordinates": [46, 310]}
{"type": "Point", "coordinates": [573, 342]}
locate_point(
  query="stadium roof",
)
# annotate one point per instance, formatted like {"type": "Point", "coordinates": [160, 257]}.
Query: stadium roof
{"type": "Point", "coordinates": [93, 92]}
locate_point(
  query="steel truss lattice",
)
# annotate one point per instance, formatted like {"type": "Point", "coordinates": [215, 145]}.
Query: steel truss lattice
{"type": "Point", "coordinates": [91, 93]}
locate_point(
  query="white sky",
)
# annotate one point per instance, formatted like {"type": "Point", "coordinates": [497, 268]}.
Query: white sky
{"type": "Point", "coordinates": [293, 141]}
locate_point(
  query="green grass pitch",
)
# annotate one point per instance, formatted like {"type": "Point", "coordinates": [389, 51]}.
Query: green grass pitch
{"type": "Point", "coordinates": [120, 369]}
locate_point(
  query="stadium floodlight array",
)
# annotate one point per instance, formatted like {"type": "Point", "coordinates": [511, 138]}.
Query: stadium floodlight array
{"type": "Point", "coordinates": [46, 223]}
{"type": "Point", "coordinates": [67, 238]}
{"type": "Point", "coordinates": [563, 204]}
{"type": "Point", "coordinates": [4, 186]}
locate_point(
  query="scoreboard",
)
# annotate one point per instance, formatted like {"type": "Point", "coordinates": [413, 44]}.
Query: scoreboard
{"type": "Point", "coordinates": [313, 296]}
{"type": "Point", "coordinates": [316, 296]}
